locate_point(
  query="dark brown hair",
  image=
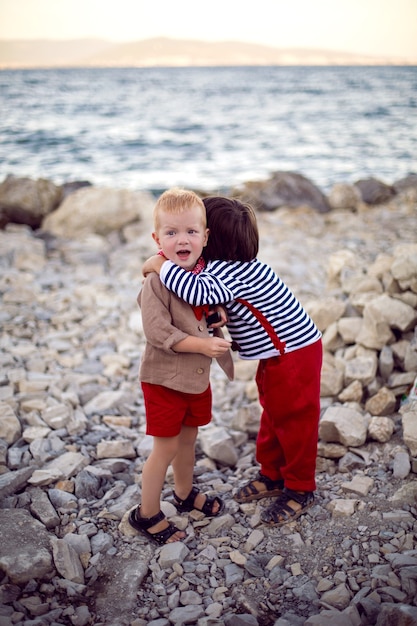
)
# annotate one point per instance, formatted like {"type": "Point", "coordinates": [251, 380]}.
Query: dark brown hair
{"type": "Point", "coordinates": [233, 230]}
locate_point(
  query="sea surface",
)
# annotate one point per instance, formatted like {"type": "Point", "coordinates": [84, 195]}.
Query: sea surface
{"type": "Point", "coordinates": [208, 128]}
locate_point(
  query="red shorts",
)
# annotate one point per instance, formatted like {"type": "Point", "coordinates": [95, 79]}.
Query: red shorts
{"type": "Point", "coordinates": [168, 410]}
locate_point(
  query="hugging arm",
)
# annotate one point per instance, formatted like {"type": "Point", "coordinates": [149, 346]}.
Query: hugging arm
{"type": "Point", "coordinates": [196, 289]}
{"type": "Point", "coordinates": [204, 290]}
{"type": "Point", "coordinates": [153, 264]}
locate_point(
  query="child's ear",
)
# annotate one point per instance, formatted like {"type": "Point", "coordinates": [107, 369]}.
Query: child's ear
{"type": "Point", "coordinates": [206, 237]}
{"type": "Point", "coordinates": [156, 239]}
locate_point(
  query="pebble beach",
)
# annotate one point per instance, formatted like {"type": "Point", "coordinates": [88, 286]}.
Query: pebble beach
{"type": "Point", "coordinates": [72, 437]}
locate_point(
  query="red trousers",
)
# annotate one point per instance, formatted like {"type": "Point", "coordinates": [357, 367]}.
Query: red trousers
{"type": "Point", "coordinates": [289, 393]}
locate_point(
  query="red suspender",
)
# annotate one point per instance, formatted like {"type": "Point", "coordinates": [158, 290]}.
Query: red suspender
{"type": "Point", "coordinates": [279, 345]}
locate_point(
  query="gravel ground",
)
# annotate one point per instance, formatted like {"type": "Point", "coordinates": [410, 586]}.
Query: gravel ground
{"type": "Point", "coordinates": [354, 568]}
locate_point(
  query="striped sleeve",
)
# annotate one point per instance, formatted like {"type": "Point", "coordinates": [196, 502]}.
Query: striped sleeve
{"type": "Point", "coordinates": [196, 289]}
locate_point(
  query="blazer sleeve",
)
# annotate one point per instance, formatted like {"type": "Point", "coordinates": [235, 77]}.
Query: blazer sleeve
{"type": "Point", "coordinates": [154, 302]}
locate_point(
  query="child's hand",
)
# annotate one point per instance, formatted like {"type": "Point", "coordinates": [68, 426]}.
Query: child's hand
{"type": "Point", "coordinates": [153, 264]}
{"type": "Point", "coordinates": [212, 347]}
{"type": "Point", "coordinates": [216, 346]}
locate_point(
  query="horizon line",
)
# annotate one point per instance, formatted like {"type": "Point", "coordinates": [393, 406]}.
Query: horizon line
{"type": "Point", "coordinates": [374, 55]}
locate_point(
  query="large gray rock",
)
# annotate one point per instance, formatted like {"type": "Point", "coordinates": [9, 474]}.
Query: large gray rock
{"type": "Point", "coordinates": [409, 424]}
{"type": "Point", "coordinates": [374, 191]}
{"type": "Point", "coordinates": [25, 546]}
{"type": "Point", "coordinates": [98, 210]}
{"type": "Point", "coordinates": [343, 425]}
{"type": "Point", "coordinates": [26, 201]}
{"type": "Point", "coordinates": [283, 189]}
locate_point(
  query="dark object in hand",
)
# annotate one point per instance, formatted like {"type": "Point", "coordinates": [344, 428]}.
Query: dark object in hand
{"type": "Point", "coordinates": [213, 318]}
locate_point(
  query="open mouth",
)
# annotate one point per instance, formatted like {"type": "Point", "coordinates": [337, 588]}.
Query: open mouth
{"type": "Point", "coordinates": [183, 254]}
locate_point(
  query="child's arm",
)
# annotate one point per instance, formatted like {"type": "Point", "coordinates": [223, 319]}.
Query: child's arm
{"type": "Point", "coordinates": [196, 289]}
{"type": "Point", "coordinates": [202, 282]}
{"type": "Point", "coordinates": [213, 347]}
{"type": "Point", "coordinates": [153, 264]}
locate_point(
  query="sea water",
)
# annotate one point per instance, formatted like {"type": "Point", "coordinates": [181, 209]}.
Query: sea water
{"type": "Point", "coordinates": [208, 128]}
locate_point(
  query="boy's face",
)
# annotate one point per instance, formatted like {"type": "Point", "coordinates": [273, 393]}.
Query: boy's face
{"type": "Point", "coordinates": [182, 237]}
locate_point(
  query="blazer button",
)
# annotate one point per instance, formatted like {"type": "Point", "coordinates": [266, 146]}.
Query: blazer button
{"type": "Point", "coordinates": [200, 370]}
{"type": "Point", "coordinates": [200, 328]}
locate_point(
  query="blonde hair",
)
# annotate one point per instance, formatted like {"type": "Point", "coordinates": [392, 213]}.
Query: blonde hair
{"type": "Point", "coordinates": [175, 201]}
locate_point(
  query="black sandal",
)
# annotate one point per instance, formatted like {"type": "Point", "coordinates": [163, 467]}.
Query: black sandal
{"type": "Point", "coordinates": [186, 505]}
{"type": "Point", "coordinates": [249, 492]}
{"type": "Point", "coordinates": [141, 524]}
{"type": "Point", "coordinates": [280, 513]}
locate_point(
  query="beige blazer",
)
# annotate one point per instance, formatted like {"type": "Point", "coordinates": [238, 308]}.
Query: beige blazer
{"type": "Point", "coordinates": [167, 320]}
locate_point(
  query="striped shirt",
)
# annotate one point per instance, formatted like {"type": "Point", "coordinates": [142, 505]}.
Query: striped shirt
{"type": "Point", "coordinates": [223, 282]}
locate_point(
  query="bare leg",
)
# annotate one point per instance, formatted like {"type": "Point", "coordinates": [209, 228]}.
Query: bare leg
{"type": "Point", "coordinates": [153, 477]}
{"type": "Point", "coordinates": [183, 462]}
{"type": "Point", "coordinates": [183, 466]}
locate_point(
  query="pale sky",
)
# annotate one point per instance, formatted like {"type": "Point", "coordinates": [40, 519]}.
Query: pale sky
{"type": "Point", "coordinates": [375, 27]}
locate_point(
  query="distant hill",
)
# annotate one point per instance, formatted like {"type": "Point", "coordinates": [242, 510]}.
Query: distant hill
{"type": "Point", "coordinates": [165, 52]}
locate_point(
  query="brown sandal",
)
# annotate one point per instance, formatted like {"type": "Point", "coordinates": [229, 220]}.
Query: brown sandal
{"type": "Point", "coordinates": [280, 512]}
{"type": "Point", "coordinates": [249, 491]}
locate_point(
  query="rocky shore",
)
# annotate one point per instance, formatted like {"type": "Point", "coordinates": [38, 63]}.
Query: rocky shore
{"type": "Point", "coordinates": [72, 421]}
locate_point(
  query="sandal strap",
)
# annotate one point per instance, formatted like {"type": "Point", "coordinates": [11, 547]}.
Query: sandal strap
{"type": "Point", "coordinates": [143, 523]}
{"type": "Point", "coordinates": [280, 512]}
{"type": "Point", "coordinates": [188, 503]}
{"type": "Point", "coordinates": [148, 522]}
{"type": "Point", "coordinates": [302, 498]}
{"type": "Point", "coordinates": [207, 507]}
{"type": "Point", "coordinates": [269, 483]}
{"type": "Point", "coordinates": [249, 489]}
{"type": "Point", "coordinates": [162, 536]}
